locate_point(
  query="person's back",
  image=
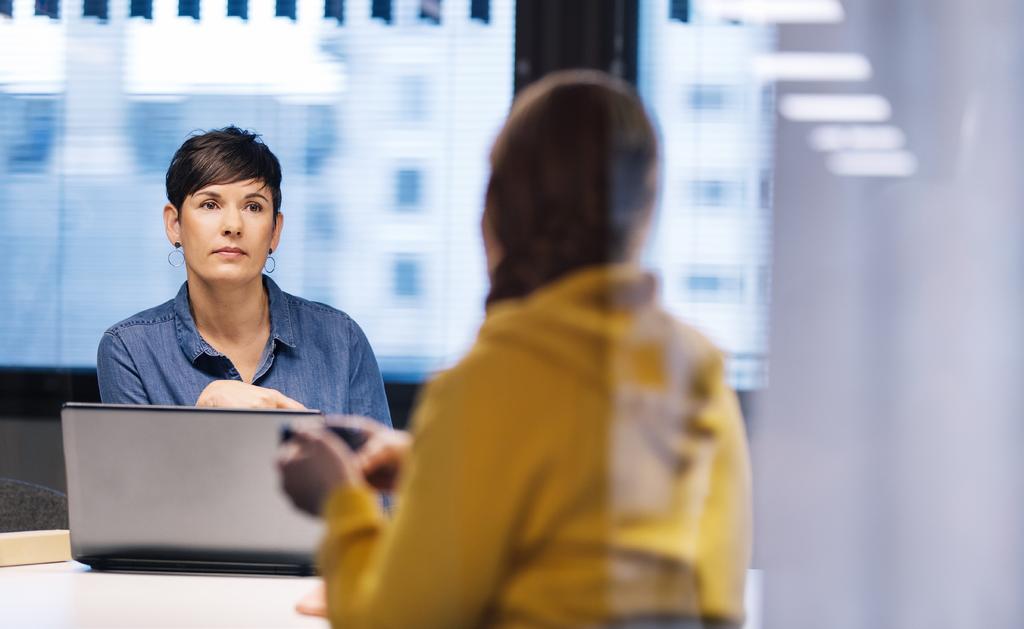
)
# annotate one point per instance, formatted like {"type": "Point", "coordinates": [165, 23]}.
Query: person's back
{"type": "Point", "coordinates": [584, 465]}
{"type": "Point", "coordinates": [598, 437]}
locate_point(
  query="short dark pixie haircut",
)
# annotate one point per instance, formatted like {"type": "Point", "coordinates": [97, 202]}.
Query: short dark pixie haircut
{"type": "Point", "coordinates": [222, 156]}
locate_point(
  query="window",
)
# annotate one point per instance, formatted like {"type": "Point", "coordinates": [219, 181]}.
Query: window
{"type": "Point", "coordinates": [321, 139]}
{"type": "Point", "coordinates": [323, 224]}
{"type": "Point", "coordinates": [335, 9]}
{"type": "Point", "coordinates": [50, 8]}
{"type": "Point", "coordinates": [764, 284]}
{"type": "Point", "coordinates": [238, 8]}
{"type": "Point", "coordinates": [480, 10]}
{"type": "Point", "coordinates": [381, 127]}
{"type": "Point", "coordinates": [430, 11]}
{"type": "Point", "coordinates": [320, 248]}
{"type": "Point", "coordinates": [707, 97]}
{"type": "Point", "coordinates": [714, 193]}
{"type": "Point", "coordinates": [285, 8]}
{"type": "Point", "coordinates": [94, 8]}
{"type": "Point", "coordinates": [407, 277]}
{"type": "Point", "coordinates": [141, 8]}
{"type": "Point", "coordinates": [381, 10]}
{"type": "Point", "coordinates": [155, 133]}
{"type": "Point", "coordinates": [679, 10]}
{"type": "Point", "coordinates": [408, 189]}
{"type": "Point", "coordinates": [765, 190]}
{"type": "Point", "coordinates": [711, 285]}
{"type": "Point", "coordinates": [716, 124]}
{"type": "Point", "coordinates": [412, 98]}
{"type": "Point", "coordinates": [34, 134]}
{"type": "Point", "coordinates": [188, 8]}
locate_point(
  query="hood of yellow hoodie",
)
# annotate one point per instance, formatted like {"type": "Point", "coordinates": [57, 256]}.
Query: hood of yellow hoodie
{"type": "Point", "coordinates": [594, 322]}
{"type": "Point", "coordinates": [604, 328]}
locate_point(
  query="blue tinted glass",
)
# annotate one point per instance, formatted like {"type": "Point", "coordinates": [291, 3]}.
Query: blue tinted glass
{"type": "Point", "coordinates": [95, 8]}
{"type": "Point", "coordinates": [711, 243]}
{"type": "Point", "coordinates": [49, 8]}
{"type": "Point", "coordinates": [335, 9]}
{"type": "Point", "coordinates": [707, 97]}
{"type": "Point", "coordinates": [480, 10]}
{"type": "Point", "coordinates": [33, 132]}
{"type": "Point", "coordinates": [381, 10]}
{"type": "Point", "coordinates": [188, 8]}
{"type": "Point", "coordinates": [321, 138]}
{"type": "Point", "coordinates": [238, 8]}
{"type": "Point", "coordinates": [710, 193]}
{"type": "Point", "coordinates": [407, 278]}
{"type": "Point", "coordinates": [704, 287]}
{"type": "Point", "coordinates": [430, 11]}
{"type": "Point", "coordinates": [141, 8]}
{"type": "Point", "coordinates": [702, 283]}
{"type": "Point", "coordinates": [679, 10]}
{"type": "Point", "coordinates": [285, 8]}
{"type": "Point", "coordinates": [359, 115]}
{"type": "Point", "coordinates": [412, 98]}
{"type": "Point", "coordinates": [407, 188]}
{"type": "Point", "coordinates": [155, 129]}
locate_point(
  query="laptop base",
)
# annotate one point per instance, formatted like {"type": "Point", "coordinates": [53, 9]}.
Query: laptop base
{"type": "Point", "coordinates": [113, 564]}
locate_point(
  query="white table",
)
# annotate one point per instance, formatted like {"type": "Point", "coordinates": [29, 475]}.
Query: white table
{"type": "Point", "coordinates": [69, 594]}
{"type": "Point", "coordinates": [66, 595]}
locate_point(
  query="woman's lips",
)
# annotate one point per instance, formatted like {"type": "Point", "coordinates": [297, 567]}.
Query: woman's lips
{"type": "Point", "coordinates": [229, 252]}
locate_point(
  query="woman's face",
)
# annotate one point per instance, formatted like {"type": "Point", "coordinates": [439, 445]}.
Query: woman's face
{"type": "Point", "coordinates": [225, 231]}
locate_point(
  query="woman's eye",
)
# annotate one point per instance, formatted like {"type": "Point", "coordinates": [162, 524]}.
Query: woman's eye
{"type": "Point", "coordinates": [254, 207]}
{"type": "Point", "coordinates": [208, 205]}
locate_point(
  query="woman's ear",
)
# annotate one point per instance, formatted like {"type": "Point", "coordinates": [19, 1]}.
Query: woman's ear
{"type": "Point", "coordinates": [172, 223]}
{"type": "Point", "coordinates": [278, 226]}
{"type": "Point", "coordinates": [493, 251]}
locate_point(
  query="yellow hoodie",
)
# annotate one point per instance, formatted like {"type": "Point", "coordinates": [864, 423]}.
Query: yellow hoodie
{"type": "Point", "coordinates": [584, 463]}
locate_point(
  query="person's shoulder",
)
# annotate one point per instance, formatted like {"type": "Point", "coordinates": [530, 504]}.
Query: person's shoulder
{"type": "Point", "coordinates": [316, 310]}
{"type": "Point", "coordinates": [695, 348]}
{"type": "Point", "coordinates": [694, 342]}
{"type": "Point", "coordinates": [143, 321]}
{"type": "Point", "coordinates": [495, 374]}
{"type": "Point", "coordinates": [308, 315]}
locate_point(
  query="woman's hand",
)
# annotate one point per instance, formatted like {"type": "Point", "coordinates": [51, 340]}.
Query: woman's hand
{"type": "Point", "coordinates": [313, 463]}
{"type": "Point", "coordinates": [237, 394]}
{"type": "Point", "coordinates": [381, 456]}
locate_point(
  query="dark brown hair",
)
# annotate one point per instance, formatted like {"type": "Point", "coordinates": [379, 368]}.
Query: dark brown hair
{"type": "Point", "coordinates": [573, 177]}
{"type": "Point", "coordinates": [222, 156]}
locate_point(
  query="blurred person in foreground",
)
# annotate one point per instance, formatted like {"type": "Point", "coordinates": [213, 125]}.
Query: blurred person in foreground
{"type": "Point", "coordinates": [585, 464]}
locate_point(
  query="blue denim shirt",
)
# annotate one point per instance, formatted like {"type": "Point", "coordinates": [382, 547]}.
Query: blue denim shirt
{"type": "Point", "coordinates": [315, 354]}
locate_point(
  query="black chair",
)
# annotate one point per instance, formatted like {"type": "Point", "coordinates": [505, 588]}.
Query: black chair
{"type": "Point", "coordinates": [28, 507]}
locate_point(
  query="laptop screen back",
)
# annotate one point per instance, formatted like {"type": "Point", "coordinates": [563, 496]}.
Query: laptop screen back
{"type": "Point", "coordinates": [183, 483]}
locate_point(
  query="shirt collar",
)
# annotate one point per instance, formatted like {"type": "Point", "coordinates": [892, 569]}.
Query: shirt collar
{"type": "Point", "coordinates": [194, 346]}
{"type": "Point", "coordinates": [280, 314]}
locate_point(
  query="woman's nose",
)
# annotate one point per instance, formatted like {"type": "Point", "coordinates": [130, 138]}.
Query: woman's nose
{"type": "Point", "coordinates": [231, 223]}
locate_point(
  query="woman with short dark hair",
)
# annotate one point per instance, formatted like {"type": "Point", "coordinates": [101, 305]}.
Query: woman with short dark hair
{"type": "Point", "coordinates": [231, 337]}
{"type": "Point", "coordinates": [585, 464]}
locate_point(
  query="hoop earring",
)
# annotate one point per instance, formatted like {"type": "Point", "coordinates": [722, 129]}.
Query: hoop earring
{"type": "Point", "coordinates": [271, 263]}
{"type": "Point", "coordinates": [176, 260]}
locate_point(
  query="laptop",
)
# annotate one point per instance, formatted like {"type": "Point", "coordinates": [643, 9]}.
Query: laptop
{"type": "Point", "coordinates": [172, 488]}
